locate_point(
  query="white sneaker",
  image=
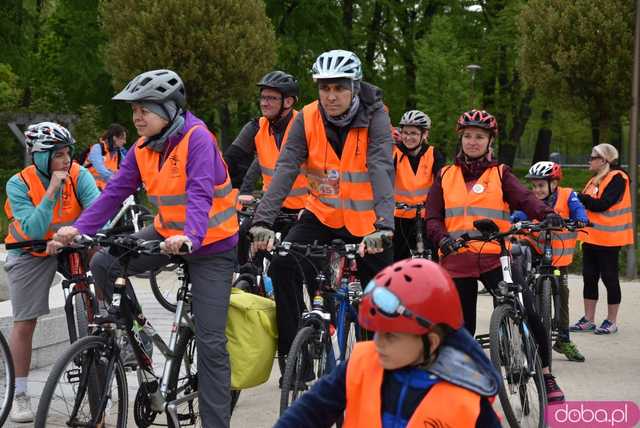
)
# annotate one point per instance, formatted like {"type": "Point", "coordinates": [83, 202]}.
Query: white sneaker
{"type": "Point", "coordinates": [21, 410]}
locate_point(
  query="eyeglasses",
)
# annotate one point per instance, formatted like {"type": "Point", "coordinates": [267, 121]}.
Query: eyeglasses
{"type": "Point", "coordinates": [411, 134]}
{"type": "Point", "coordinates": [390, 305]}
{"type": "Point", "coordinates": [268, 99]}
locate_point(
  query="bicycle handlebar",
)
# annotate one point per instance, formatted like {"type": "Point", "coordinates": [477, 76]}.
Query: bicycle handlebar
{"type": "Point", "coordinates": [403, 206]}
{"type": "Point", "coordinates": [317, 250]}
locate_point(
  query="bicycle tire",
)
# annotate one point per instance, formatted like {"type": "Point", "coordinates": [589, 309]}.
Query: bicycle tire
{"type": "Point", "coordinates": [82, 321]}
{"type": "Point", "coordinates": [162, 295]}
{"type": "Point", "coordinates": [185, 356]}
{"type": "Point", "coordinates": [544, 293]}
{"type": "Point", "coordinates": [347, 330]}
{"type": "Point", "coordinates": [293, 381]}
{"type": "Point", "coordinates": [507, 353]}
{"type": "Point", "coordinates": [82, 351]}
{"type": "Point", "coordinates": [8, 379]}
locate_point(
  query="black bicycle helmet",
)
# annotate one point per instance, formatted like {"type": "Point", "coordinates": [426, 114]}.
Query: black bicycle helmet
{"type": "Point", "coordinates": [282, 82]}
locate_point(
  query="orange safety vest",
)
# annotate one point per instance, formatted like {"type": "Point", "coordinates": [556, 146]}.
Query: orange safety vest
{"type": "Point", "coordinates": [483, 200]}
{"type": "Point", "coordinates": [167, 190]}
{"type": "Point", "coordinates": [613, 227]}
{"type": "Point", "coordinates": [340, 191]}
{"type": "Point", "coordinates": [268, 153]}
{"type": "Point", "coordinates": [412, 188]}
{"type": "Point", "coordinates": [563, 243]}
{"type": "Point", "coordinates": [445, 405]}
{"type": "Point", "coordinates": [111, 162]}
{"type": "Point", "coordinates": [65, 212]}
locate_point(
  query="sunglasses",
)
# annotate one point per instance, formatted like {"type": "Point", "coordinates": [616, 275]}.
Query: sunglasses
{"type": "Point", "coordinates": [595, 157]}
{"type": "Point", "coordinates": [390, 305]}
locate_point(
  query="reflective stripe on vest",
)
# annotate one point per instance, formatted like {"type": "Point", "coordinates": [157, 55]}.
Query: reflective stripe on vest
{"type": "Point", "coordinates": [110, 160]}
{"type": "Point", "coordinates": [462, 207]}
{"type": "Point", "coordinates": [167, 190]}
{"type": "Point", "coordinates": [613, 227]}
{"type": "Point", "coordinates": [444, 405]}
{"type": "Point", "coordinates": [412, 188]}
{"type": "Point", "coordinates": [66, 210]}
{"type": "Point", "coordinates": [340, 191]}
{"type": "Point", "coordinates": [268, 153]}
{"type": "Point", "coordinates": [563, 243]}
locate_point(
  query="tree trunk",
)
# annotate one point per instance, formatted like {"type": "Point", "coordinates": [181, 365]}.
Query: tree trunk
{"type": "Point", "coordinates": [225, 125]}
{"type": "Point", "coordinates": [603, 125]}
{"type": "Point", "coordinates": [615, 135]}
{"type": "Point", "coordinates": [373, 36]}
{"type": "Point", "coordinates": [347, 22]}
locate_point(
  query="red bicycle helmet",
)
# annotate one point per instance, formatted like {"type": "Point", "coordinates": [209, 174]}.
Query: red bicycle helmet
{"type": "Point", "coordinates": [424, 288]}
{"type": "Point", "coordinates": [478, 119]}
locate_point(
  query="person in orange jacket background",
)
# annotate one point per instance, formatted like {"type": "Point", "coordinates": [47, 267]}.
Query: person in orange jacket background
{"type": "Point", "coordinates": [421, 369]}
{"type": "Point", "coordinates": [416, 163]}
{"type": "Point", "coordinates": [607, 199]}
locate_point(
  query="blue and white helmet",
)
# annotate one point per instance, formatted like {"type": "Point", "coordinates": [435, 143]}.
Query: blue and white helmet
{"type": "Point", "coordinates": [337, 64]}
{"type": "Point", "coordinates": [47, 136]}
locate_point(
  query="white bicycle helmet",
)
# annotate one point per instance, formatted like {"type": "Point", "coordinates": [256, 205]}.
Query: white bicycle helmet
{"type": "Point", "coordinates": [544, 170]}
{"type": "Point", "coordinates": [416, 118]}
{"type": "Point", "coordinates": [337, 64]}
{"type": "Point", "coordinates": [47, 136]}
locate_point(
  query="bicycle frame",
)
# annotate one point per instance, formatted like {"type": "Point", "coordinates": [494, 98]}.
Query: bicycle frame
{"type": "Point", "coordinates": [419, 252]}
{"type": "Point", "coordinates": [77, 280]}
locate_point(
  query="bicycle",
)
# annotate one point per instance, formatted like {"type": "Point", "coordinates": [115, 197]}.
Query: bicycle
{"type": "Point", "coordinates": [311, 354]}
{"type": "Point", "coordinates": [512, 348]}
{"type": "Point", "coordinates": [419, 252]}
{"type": "Point", "coordinates": [543, 277]}
{"type": "Point", "coordinates": [7, 380]}
{"type": "Point", "coordinates": [92, 373]}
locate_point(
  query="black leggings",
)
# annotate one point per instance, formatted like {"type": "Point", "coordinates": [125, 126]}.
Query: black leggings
{"type": "Point", "coordinates": [601, 262]}
{"type": "Point", "coordinates": [468, 291]}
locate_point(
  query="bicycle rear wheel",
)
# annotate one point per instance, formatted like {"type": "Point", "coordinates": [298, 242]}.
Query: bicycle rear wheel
{"type": "Point", "coordinates": [7, 380]}
{"type": "Point", "coordinates": [307, 361]}
{"type": "Point", "coordinates": [165, 285]}
{"type": "Point", "coordinates": [88, 373]}
{"type": "Point", "coordinates": [522, 394]}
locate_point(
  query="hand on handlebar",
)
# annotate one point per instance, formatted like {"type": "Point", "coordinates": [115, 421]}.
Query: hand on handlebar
{"type": "Point", "coordinates": [246, 199]}
{"type": "Point", "coordinates": [375, 242]}
{"type": "Point", "coordinates": [448, 245]}
{"type": "Point", "coordinates": [174, 245]}
{"type": "Point", "coordinates": [263, 239]}
{"type": "Point", "coordinates": [53, 247]}
{"type": "Point", "coordinates": [554, 220]}
{"type": "Point", "coordinates": [65, 235]}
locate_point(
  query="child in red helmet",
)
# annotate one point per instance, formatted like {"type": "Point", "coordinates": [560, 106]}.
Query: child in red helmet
{"type": "Point", "coordinates": [421, 369]}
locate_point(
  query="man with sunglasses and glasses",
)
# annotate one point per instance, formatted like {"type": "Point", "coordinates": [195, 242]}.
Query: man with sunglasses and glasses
{"type": "Point", "coordinates": [416, 164]}
{"type": "Point", "coordinates": [422, 368]}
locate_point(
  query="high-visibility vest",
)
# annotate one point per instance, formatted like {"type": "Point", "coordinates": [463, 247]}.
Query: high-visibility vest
{"type": "Point", "coordinates": [483, 200]}
{"type": "Point", "coordinates": [111, 162]}
{"type": "Point", "coordinates": [444, 405]}
{"type": "Point", "coordinates": [563, 243]}
{"type": "Point", "coordinates": [66, 210]}
{"type": "Point", "coordinates": [268, 152]}
{"type": "Point", "coordinates": [167, 190]}
{"type": "Point", "coordinates": [613, 227]}
{"type": "Point", "coordinates": [340, 191]}
{"type": "Point", "coordinates": [412, 188]}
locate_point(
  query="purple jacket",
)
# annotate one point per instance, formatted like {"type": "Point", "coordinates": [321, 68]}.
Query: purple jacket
{"type": "Point", "coordinates": [205, 169]}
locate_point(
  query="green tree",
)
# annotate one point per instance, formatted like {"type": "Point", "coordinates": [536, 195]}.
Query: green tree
{"type": "Point", "coordinates": [581, 54]}
{"type": "Point", "coordinates": [219, 47]}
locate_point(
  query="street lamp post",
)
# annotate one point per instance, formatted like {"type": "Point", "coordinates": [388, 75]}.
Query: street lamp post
{"type": "Point", "coordinates": [473, 69]}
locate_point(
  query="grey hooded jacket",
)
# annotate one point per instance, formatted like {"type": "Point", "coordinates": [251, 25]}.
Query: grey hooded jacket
{"type": "Point", "coordinates": [371, 115]}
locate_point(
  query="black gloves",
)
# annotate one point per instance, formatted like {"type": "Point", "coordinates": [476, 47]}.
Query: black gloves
{"type": "Point", "coordinates": [554, 220]}
{"type": "Point", "coordinates": [447, 245]}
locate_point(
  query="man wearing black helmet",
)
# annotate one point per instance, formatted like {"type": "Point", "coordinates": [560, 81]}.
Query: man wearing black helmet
{"type": "Point", "coordinates": [264, 136]}
{"type": "Point", "coordinates": [278, 94]}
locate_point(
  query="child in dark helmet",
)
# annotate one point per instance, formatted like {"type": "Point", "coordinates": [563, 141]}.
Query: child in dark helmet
{"type": "Point", "coordinates": [421, 368]}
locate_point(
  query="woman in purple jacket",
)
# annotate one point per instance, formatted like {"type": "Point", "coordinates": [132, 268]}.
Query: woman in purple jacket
{"type": "Point", "coordinates": [158, 102]}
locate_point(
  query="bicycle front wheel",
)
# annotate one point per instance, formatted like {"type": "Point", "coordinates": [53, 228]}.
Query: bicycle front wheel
{"type": "Point", "coordinates": [307, 361]}
{"type": "Point", "coordinates": [86, 387]}
{"type": "Point", "coordinates": [183, 382]}
{"type": "Point", "coordinates": [348, 330]}
{"type": "Point", "coordinates": [7, 380]}
{"type": "Point", "coordinates": [522, 394]}
{"type": "Point", "coordinates": [544, 303]}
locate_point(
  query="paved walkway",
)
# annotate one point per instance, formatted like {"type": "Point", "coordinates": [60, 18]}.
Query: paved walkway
{"type": "Point", "coordinates": [610, 372]}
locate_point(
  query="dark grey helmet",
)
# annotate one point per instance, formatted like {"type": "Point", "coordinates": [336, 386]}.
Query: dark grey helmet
{"type": "Point", "coordinates": [156, 86]}
{"type": "Point", "coordinates": [282, 82]}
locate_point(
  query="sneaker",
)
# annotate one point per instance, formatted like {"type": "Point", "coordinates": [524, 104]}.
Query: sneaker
{"type": "Point", "coordinates": [21, 410]}
{"type": "Point", "coordinates": [582, 325]}
{"type": "Point", "coordinates": [569, 350]}
{"type": "Point", "coordinates": [554, 393]}
{"type": "Point", "coordinates": [607, 327]}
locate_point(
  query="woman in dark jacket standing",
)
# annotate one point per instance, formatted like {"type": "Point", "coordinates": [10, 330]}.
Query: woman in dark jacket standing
{"type": "Point", "coordinates": [476, 186]}
{"type": "Point", "coordinates": [608, 202]}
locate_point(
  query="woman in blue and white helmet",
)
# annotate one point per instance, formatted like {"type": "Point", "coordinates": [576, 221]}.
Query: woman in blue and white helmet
{"type": "Point", "coordinates": [345, 142]}
{"type": "Point", "coordinates": [42, 197]}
